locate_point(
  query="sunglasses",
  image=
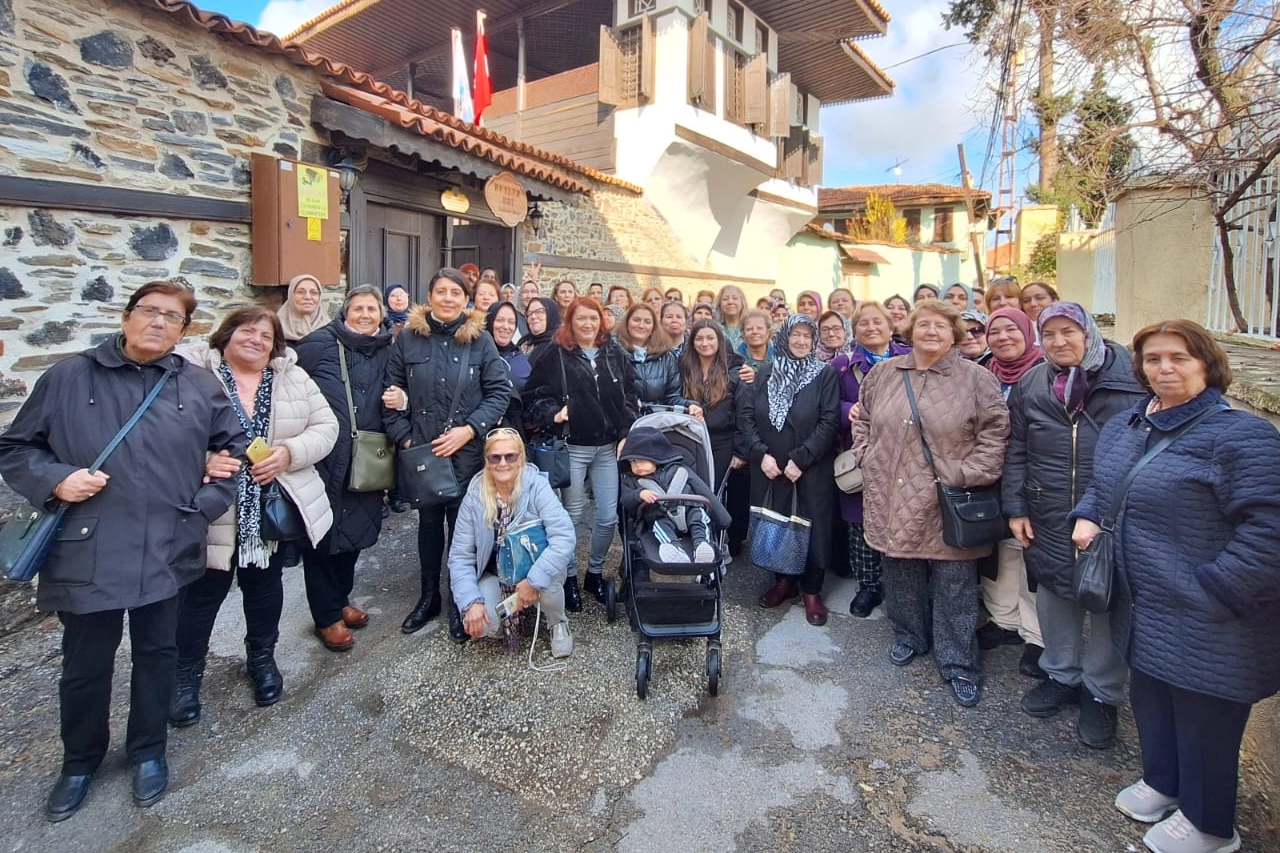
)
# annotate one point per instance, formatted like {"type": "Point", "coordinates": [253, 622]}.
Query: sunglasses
{"type": "Point", "coordinates": [501, 432]}
{"type": "Point", "coordinates": [976, 333]}
{"type": "Point", "coordinates": [495, 458]}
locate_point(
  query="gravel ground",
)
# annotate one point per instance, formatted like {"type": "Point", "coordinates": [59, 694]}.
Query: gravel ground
{"type": "Point", "coordinates": [815, 742]}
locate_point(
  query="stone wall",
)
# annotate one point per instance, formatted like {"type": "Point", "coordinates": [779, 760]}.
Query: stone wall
{"type": "Point", "coordinates": [115, 95]}
{"type": "Point", "coordinates": [619, 227]}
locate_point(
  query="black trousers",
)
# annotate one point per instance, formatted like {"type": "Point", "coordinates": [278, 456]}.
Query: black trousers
{"type": "Point", "coordinates": [433, 541]}
{"type": "Point", "coordinates": [263, 592]}
{"type": "Point", "coordinates": [329, 578]}
{"type": "Point", "coordinates": [1190, 749]}
{"type": "Point", "coordinates": [89, 643]}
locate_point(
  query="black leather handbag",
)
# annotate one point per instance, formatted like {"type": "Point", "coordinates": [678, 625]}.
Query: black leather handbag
{"type": "Point", "coordinates": [281, 521]}
{"type": "Point", "coordinates": [971, 517]}
{"type": "Point", "coordinates": [551, 452]}
{"type": "Point", "coordinates": [422, 478]}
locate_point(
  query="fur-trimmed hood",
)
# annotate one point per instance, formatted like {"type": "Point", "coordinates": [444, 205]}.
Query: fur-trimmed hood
{"type": "Point", "coordinates": [471, 328]}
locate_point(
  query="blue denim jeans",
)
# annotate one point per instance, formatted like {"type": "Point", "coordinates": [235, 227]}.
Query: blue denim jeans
{"type": "Point", "coordinates": [601, 465]}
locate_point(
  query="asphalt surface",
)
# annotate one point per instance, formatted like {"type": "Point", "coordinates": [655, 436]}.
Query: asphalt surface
{"type": "Point", "coordinates": [815, 742]}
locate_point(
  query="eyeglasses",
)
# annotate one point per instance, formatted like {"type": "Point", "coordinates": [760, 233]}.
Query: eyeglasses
{"type": "Point", "coordinates": [495, 458]}
{"type": "Point", "coordinates": [150, 312]}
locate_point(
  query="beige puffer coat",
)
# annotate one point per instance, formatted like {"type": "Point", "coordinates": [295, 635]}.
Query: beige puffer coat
{"type": "Point", "coordinates": [967, 425]}
{"type": "Point", "coordinates": [302, 421]}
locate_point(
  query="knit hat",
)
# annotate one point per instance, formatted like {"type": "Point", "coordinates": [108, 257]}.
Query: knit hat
{"type": "Point", "coordinates": [650, 445]}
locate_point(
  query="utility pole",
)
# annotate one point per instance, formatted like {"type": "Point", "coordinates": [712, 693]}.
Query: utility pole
{"type": "Point", "coordinates": [974, 243]}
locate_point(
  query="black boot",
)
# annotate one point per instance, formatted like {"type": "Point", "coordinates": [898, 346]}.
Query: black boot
{"type": "Point", "coordinates": [572, 597]}
{"type": "Point", "coordinates": [427, 608]}
{"type": "Point", "coordinates": [594, 584]}
{"type": "Point", "coordinates": [184, 705]}
{"type": "Point", "coordinates": [268, 683]}
{"type": "Point", "coordinates": [457, 632]}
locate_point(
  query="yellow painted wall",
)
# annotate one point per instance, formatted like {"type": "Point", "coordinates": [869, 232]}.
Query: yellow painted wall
{"type": "Point", "coordinates": [1033, 220]}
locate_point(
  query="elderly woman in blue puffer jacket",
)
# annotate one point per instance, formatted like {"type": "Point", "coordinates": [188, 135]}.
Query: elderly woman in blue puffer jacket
{"type": "Point", "coordinates": [1197, 598]}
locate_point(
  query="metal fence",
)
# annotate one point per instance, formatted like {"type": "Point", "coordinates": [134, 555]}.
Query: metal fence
{"type": "Point", "coordinates": [1104, 264]}
{"type": "Point", "coordinates": [1253, 245]}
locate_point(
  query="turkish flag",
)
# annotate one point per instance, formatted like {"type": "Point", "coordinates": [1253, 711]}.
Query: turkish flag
{"type": "Point", "coordinates": [482, 92]}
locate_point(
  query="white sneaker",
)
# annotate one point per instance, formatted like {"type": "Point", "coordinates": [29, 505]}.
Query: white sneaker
{"type": "Point", "coordinates": [670, 552]}
{"type": "Point", "coordinates": [561, 640]}
{"type": "Point", "coordinates": [704, 553]}
{"type": "Point", "coordinates": [1179, 835]}
{"type": "Point", "coordinates": [1144, 803]}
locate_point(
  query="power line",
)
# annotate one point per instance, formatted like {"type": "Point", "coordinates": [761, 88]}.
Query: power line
{"type": "Point", "coordinates": [923, 55]}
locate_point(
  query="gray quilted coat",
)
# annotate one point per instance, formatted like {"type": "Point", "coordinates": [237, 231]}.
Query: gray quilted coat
{"type": "Point", "coordinates": [967, 424]}
{"type": "Point", "coordinates": [1197, 603]}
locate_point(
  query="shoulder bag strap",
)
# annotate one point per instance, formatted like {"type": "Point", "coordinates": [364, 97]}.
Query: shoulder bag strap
{"type": "Point", "coordinates": [346, 386]}
{"type": "Point", "coordinates": [457, 389]}
{"type": "Point", "coordinates": [915, 415]}
{"type": "Point", "coordinates": [124, 430]}
{"type": "Point", "coordinates": [1109, 521]}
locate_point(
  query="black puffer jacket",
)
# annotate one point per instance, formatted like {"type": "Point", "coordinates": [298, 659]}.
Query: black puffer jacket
{"type": "Point", "coordinates": [1049, 459]}
{"type": "Point", "coordinates": [658, 379]}
{"type": "Point", "coordinates": [601, 400]}
{"type": "Point", "coordinates": [143, 538]}
{"type": "Point", "coordinates": [357, 516]}
{"type": "Point", "coordinates": [428, 360]}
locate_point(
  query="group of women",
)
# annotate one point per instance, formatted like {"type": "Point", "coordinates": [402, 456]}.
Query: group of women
{"type": "Point", "coordinates": [1029, 396]}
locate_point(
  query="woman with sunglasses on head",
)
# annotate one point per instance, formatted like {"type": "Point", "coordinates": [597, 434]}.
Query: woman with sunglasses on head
{"type": "Point", "coordinates": [458, 388]}
{"type": "Point", "coordinates": [586, 381]}
{"type": "Point", "coordinates": [507, 494]}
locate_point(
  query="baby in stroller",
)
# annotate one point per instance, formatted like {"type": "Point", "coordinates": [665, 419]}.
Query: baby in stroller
{"type": "Point", "coordinates": [657, 468]}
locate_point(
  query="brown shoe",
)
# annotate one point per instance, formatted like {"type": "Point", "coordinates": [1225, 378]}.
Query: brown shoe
{"type": "Point", "coordinates": [782, 590]}
{"type": "Point", "coordinates": [815, 612]}
{"type": "Point", "coordinates": [354, 617]}
{"type": "Point", "coordinates": [336, 637]}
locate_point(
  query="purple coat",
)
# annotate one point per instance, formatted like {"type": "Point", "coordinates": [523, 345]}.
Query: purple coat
{"type": "Point", "coordinates": [851, 369]}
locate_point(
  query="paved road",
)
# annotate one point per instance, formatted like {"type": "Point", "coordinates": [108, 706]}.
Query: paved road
{"type": "Point", "coordinates": [815, 743]}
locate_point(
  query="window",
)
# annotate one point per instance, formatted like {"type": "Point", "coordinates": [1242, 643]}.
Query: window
{"type": "Point", "coordinates": [762, 38]}
{"type": "Point", "coordinates": [737, 17]}
{"type": "Point", "coordinates": [942, 225]}
{"type": "Point", "coordinates": [913, 224]}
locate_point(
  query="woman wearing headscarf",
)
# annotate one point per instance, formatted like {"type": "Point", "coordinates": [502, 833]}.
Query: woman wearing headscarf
{"type": "Point", "coordinates": [396, 298]}
{"type": "Point", "coordinates": [835, 336]}
{"type": "Point", "coordinates": [789, 421]}
{"type": "Point", "coordinates": [809, 302]}
{"type": "Point", "coordinates": [1009, 598]}
{"type": "Point", "coordinates": [543, 319]}
{"type": "Point", "coordinates": [1058, 410]}
{"type": "Point", "coordinates": [960, 297]}
{"type": "Point", "coordinates": [926, 292]}
{"type": "Point", "coordinates": [974, 345]}
{"type": "Point", "coordinates": [303, 309]}
{"type": "Point", "coordinates": [500, 322]}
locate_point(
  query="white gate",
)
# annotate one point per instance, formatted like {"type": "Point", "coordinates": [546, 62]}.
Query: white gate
{"type": "Point", "coordinates": [1104, 264]}
{"type": "Point", "coordinates": [1256, 272]}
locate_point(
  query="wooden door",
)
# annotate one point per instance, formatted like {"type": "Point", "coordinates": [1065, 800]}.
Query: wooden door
{"type": "Point", "coordinates": [401, 247]}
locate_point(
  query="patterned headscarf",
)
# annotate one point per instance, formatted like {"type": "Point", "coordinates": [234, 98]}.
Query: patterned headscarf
{"type": "Point", "coordinates": [790, 374]}
{"type": "Point", "coordinates": [1071, 384]}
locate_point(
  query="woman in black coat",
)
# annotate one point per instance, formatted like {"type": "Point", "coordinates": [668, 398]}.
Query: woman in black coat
{"type": "Point", "coordinates": [657, 371]}
{"type": "Point", "coordinates": [584, 380]}
{"type": "Point", "coordinates": [789, 426]}
{"type": "Point", "coordinates": [1056, 412]}
{"type": "Point", "coordinates": [444, 354]}
{"type": "Point", "coordinates": [361, 337]}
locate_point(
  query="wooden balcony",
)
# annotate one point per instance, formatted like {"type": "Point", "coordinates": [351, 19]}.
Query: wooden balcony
{"type": "Point", "coordinates": [562, 114]}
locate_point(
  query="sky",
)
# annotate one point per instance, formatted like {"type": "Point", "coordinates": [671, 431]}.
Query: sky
{"type": "Point", "coordinates": [941, 99]}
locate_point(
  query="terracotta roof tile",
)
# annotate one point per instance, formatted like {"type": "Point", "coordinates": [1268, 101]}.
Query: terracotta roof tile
{"type": "Point", "coordinates": [844, 198]}
{"type": "Point", "coordinates": [517, 156]}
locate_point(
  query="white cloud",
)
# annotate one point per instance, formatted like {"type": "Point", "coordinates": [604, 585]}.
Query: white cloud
{"type": "Point", "coordinates": [932, 108]}
{"type": "Point", "coordinates": [285, 16]}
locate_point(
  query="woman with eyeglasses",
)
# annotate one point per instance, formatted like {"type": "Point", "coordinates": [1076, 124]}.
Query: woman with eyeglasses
{"type": "Point", "coordinates": [542, 319]}
{"type": "Point", "coordinates": [586, 381]}
{"type": "Point", "coordinates": [501, 325]}
{"type": "Point", "coordinates": [303, 309]}
{"type": "Point", "coordinates": [458, 387]}
{"type": "Point", "coordinates": [508, 494]}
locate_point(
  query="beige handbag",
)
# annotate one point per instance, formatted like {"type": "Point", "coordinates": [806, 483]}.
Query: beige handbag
{"type": "Point", "coordinates": [848, 474]}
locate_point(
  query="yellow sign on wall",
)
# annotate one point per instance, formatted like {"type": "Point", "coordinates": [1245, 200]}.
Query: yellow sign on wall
{"type": "Point", "coordinates": [313, 192]}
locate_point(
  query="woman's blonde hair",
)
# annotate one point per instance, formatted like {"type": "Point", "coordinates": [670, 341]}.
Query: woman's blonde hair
{"type": "Point", "coordinates": [488, 491]}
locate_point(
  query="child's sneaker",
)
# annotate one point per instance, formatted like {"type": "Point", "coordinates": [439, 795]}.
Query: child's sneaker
{"type": "Point", "coordinates": [704, 553]}
{"type": "Point", "coordinates": [670, 552]}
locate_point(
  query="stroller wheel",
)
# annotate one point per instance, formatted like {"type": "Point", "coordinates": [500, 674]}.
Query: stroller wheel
{"type": "Point", "coordinates": [643, 661]}
{"type": "Point", "coordinates": [611, 601]}
{"type": "Point", "coordinates": [713, 671]}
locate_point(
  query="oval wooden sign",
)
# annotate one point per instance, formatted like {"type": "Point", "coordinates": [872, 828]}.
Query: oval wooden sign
{"type": "Point", "coordinates": [506, 197]}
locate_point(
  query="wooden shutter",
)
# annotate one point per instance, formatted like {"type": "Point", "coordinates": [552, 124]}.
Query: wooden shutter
{"type": "Point", "coordinates": [797, 106]}
{"type": "Point", "coordinates": [814, 175]}
{"type": "Point", "coordinates": [610, 83]}
{"type": "Point", "coordinates": [756, 102]}
{"type": "Point", "coordinates": [699, 80]}
{"type": "Point", "coordinates": [648, 49]}
{"type": "Point", "coordinates": [780, 106]}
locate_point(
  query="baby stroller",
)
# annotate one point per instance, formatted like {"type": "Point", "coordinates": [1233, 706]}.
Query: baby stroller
{"type": "Point", "coordinates": [667, 600]}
